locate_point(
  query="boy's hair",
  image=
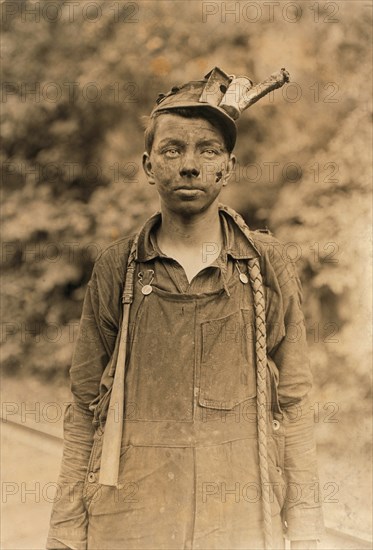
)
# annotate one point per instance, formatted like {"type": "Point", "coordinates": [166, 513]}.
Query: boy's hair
{"type": "Point", "coordinates": [185, 112]}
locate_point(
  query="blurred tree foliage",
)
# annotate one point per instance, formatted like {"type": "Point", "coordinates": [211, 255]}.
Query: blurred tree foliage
{"type": "Point", "coordinates": [74, 90]}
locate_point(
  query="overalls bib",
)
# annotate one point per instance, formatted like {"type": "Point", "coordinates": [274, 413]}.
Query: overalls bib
{"type": "Point", "coordinates": [189, 475]}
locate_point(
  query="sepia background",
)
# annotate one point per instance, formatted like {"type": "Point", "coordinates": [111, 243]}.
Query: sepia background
{"type": "Point", "coordinates": [77, 78]}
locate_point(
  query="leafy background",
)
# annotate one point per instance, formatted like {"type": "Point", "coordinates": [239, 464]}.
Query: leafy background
{"type": "Point", "coordinates": [72, 181]}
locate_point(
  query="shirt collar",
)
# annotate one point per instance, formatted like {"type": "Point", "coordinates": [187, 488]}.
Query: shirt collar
{"type": "Point", "coordinates": [237, 240]}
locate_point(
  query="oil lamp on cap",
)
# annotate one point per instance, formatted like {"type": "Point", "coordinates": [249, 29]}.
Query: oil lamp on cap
{"type": "Point", "coordinates": [225, 96]}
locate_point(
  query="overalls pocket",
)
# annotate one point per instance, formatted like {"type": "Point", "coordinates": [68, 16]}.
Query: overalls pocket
{"type": "Point", "coordinates": [228, 360]}
{"type": "Point", "coordinates": [94, 492]}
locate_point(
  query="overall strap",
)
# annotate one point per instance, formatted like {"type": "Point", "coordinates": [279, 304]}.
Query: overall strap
{"type": "Point", "coordinates": [112, 439]}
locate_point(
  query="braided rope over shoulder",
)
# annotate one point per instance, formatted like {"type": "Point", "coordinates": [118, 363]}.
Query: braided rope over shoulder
{"type": "Point", "coordinates": [261, 373]}
{"type": "Point", "coordinates": [261, 399]}
{"type": "Point", "coordinates": [240, 222]}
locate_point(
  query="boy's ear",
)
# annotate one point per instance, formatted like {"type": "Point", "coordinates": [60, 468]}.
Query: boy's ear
{"type": "Point", "coordinates": [147, 166]}
{"type": "Point", "coordinates": [230, 169]}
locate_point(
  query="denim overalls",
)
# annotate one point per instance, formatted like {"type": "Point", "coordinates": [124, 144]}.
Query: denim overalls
{"type": "Point", "coordinates": [189, 476]}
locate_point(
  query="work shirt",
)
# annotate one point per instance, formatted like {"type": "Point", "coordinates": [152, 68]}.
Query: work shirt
{"type": "Point", "coordinates": [189, 475]}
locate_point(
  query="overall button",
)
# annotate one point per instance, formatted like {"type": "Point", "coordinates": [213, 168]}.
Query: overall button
{"type": "Point", "coordinates": [276, 425]}
{"type": "Point", "coordinates": [91, 477]}
{"type": "Point", "coordinates": [147, 289]}
{"type": "Point", "coordinates": [244, 278]}
{"type": "Point", "coordinates": [279, 471]}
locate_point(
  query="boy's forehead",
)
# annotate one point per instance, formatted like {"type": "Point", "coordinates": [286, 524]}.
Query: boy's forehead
{"type": "Point", "coordinates": [173, 125]}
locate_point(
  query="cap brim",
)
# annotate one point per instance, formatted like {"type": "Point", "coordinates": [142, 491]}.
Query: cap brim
{"type": "Point", "coordinates": [227, 122]}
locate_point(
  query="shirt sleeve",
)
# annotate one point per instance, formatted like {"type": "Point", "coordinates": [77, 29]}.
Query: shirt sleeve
{"type": "Point", "coordinates": [68, 525]}
{"type": "Point", "coordinates": [287, 347]}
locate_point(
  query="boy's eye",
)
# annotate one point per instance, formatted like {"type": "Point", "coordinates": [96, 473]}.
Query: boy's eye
{"type": "Point", "coordinates": [171, 152]}
{"type": "Point", "coordinates": [210, 152]}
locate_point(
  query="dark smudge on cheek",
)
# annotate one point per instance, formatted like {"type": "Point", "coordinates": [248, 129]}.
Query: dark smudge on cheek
{"type": "Point", "coordinates": [165, 170]}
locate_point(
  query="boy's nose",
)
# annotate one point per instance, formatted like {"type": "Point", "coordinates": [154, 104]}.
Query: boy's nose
{"type": "Point", "coordinates": [188, 172]}
{"type": "Point", "coordinates": [189, 167]}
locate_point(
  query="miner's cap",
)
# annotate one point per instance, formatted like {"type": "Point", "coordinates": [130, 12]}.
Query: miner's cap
{"type": "Point", "coordinates": [224, 96]}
